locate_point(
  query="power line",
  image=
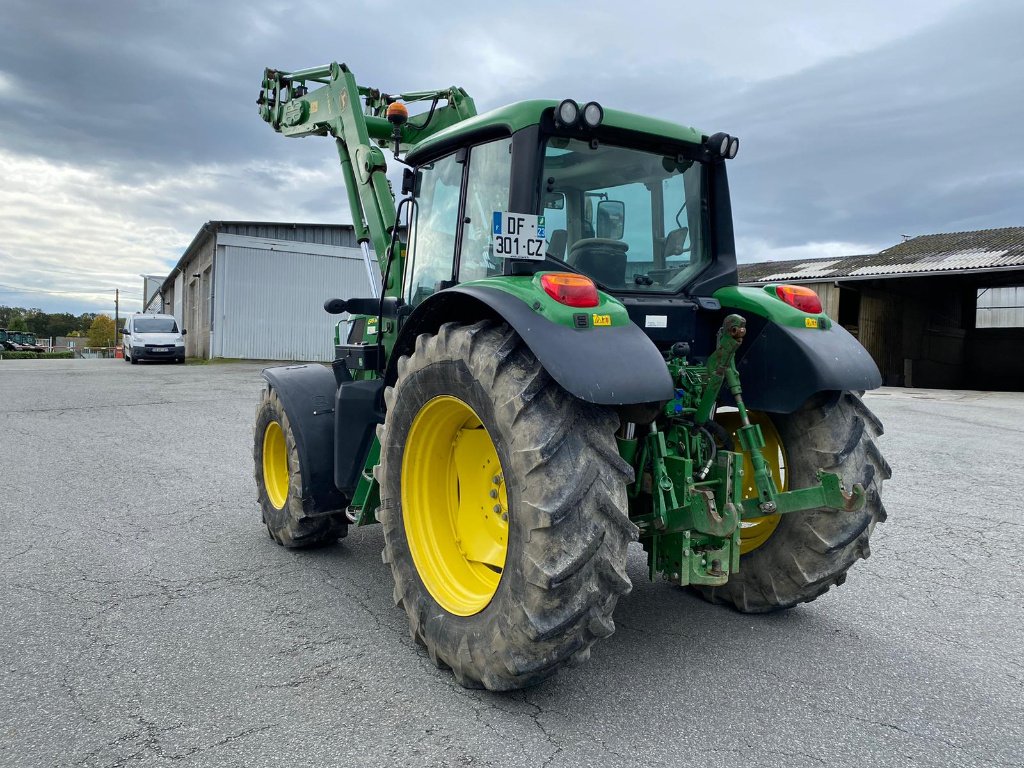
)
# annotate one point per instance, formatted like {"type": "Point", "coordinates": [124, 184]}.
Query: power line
{"type": "Point", "coordinates": [15, 289]}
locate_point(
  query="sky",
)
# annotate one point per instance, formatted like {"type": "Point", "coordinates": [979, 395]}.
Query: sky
{"type": "Point", "coordinates": [127, 124]}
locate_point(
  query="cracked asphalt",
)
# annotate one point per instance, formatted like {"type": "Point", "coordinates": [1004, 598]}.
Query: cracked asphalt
{"type": "Point", "coordinates": [147, 619]}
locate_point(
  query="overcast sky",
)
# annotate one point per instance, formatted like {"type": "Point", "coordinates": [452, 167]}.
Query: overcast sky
{"type": "Point", "coordinates": [127, 124]}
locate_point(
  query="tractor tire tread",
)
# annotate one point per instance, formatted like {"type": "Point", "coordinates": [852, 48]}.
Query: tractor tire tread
{"type": "Point", "coordinates": [290, 527]}
{"type": "Point", "coordinates": [573, 567]}
{"type": "Point", "coordinates": [810, 552]}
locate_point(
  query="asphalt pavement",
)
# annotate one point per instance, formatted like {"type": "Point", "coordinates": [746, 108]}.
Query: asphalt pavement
{"type": "Point", "coordinates": [147, 619]}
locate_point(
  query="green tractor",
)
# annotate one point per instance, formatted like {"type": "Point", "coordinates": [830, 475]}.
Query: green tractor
{"type": "Point", "coordinates": [551, 371]}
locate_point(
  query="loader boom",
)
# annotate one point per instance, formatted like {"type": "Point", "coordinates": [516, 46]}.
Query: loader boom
{"type": "Point", "coordinates": [327, 101]}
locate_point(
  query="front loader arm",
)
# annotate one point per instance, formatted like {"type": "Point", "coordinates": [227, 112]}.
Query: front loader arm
{"type": "Point", "coordinates": [327, 101]}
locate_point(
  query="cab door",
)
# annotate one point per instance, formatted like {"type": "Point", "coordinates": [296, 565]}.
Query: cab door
{"type": "Point", "coordinates": [434, 227]}
{"type": "Point", "coordinates": [450, 234]}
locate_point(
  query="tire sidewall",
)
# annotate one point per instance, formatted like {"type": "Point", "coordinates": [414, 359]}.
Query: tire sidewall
{"type": "Point", "coordinates": [439, 627]}
{"type": "Point", "coordinates": [277, 519]}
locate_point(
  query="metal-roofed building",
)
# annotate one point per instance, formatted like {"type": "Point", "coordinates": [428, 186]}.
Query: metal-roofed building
{"type": "Point", "coordinates": [943, 310]}
{"type": "Point", "coordinates": [255, 290]}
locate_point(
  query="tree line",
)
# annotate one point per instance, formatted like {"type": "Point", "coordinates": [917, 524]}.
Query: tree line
{"type": "Point", "coordinates": [46, 324]}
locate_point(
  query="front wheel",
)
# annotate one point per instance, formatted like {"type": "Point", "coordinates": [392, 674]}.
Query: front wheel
{"type": "Point", "coordinates": [278, 476]}
{"type": "Point", "coordinates": [503, 501]}
{"type": "Point", "coordinates": [794, 558]}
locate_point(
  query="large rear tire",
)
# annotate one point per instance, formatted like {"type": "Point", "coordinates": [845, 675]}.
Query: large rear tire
{"type": "Point", "coordinates": [503, 502]}
{"type": "Point", "coordinates": [809, 552]}
{"type": "Point", "coordinates": [279, 481]}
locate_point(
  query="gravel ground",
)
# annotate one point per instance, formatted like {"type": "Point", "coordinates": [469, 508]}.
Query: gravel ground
{"type": "Point", "coordinates": [147, 619]}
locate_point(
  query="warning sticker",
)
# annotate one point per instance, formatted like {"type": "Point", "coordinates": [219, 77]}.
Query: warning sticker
{"type": "Point", "coordinates": [656, 321]}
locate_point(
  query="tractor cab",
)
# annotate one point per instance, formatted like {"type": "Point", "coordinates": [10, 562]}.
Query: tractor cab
{"type": "Point", "coordinates": [620, 199]}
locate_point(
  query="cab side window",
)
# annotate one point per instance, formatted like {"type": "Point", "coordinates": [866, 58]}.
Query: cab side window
{"type": "Point", "coordinates": [490, 167]}
{"type": "Point", "coordinates": [434, 226]}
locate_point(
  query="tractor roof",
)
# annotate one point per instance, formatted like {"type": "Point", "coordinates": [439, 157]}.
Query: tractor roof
{"type": "Point", "coordinates": [520, 114]}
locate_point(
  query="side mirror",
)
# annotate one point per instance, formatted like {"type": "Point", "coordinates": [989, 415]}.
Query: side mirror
{"type": "Point", "coordinates": [408, 181]}
{"type": "Point", "coordinates": [184, 332]}
{"type": "Point", "coordinates": [121, 330]}
{"type": "Point", "coordinates": [554, 201]}
{"type": "Point", "coordinates": [611, 219]}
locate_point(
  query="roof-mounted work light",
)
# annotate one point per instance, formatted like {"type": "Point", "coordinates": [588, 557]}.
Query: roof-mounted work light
{"type": "Point", "coordinates": [568, 113]}
{"type": "Point", "coordinates": [593, 114]}
{"type": "Point", "coordinates": [724, 145]}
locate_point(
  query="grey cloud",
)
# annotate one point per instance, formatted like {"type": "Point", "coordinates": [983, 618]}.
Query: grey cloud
{"type": "Point", "coordinates": [856, 148]}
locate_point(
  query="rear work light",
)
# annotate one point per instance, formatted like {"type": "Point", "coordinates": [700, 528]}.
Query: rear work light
{"type": "Point", "coordinates": [570, 289]}
{"type": "Point", "coordinates": [801, 297]}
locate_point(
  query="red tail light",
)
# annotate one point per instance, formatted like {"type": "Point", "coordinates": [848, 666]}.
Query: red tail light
{"type": "Point", "coordinates": [570, 289]}
{"type": "Point", "coordinates": [801, 297]}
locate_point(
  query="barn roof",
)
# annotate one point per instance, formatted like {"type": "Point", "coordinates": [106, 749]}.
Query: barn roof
{"type": "Point", "coordinates": [979, 251]}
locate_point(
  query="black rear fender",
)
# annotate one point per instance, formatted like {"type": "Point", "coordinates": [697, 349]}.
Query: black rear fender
{"type": "Point", "coordinates": [617, 366]}
{"type": "Point", "coordinates": [781, 368]}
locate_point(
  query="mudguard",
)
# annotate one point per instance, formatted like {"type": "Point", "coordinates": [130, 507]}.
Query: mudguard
{"type": "Point", "coordinates": [780, 367]}
{"type": "Point", "coordinates": [359, 408]}
{"type": "Point", "coordinates": [307, 393]}
{"type": "Point", "coordinates": [605, 366]}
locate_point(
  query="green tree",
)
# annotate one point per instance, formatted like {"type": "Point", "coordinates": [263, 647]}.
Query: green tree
{"type": "Point", "coordinates": [85, 320]}
{"type": "Point", "coordinates": [60, 324]}
{"type": "Point", "coordinates": [17, 323]}
{"type": "Point", "coordinates": [101, 332]}
{"type": "Point", "coordinates": [37, 321]}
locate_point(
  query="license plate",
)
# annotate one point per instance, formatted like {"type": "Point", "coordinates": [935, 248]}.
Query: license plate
{"type": "Point", "coordinates": [518, 236]}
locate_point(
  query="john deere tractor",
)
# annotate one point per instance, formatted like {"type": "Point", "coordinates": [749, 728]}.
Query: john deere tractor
{"type": "Point", "coordinates": [552, 369]}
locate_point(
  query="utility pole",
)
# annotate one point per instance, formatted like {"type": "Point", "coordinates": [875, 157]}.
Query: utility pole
{"type": "Point", "coordinates": [117, 312]}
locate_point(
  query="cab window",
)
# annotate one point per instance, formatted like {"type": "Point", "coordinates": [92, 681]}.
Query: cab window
{"type": "Point", "coordinates": [490, 167]}
{"type": "Point", "coordinates": [631, 219]}
{"type": "Point", "coordinates": [433, 228]}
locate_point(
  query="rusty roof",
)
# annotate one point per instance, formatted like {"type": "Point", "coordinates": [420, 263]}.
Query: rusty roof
{"type": "Point", "coordinates": [980, 251]}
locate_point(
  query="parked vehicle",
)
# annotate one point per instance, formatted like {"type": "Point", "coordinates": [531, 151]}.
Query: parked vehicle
{"type": "Point", "coordinates": [153, 337]}
{"type": "Point", "coordinates": [22, 341]}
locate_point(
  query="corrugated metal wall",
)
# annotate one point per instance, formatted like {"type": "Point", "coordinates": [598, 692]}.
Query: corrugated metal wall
{"type": "Point", "coordinates": [306, 233]}
{"type": "Point", "coordinates": [268, 304]}
{"type": "Point", "coordinates": [1001, 307]}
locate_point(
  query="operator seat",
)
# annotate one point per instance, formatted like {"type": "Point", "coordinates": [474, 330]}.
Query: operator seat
{"type": "Point", "coordinates": [556, 245]}
{"type": "Point", "coordinates": [602, 259]}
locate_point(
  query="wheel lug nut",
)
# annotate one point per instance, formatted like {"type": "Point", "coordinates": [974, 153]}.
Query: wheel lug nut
{"type": "Point", "coordinates": [504, 516]}
{"type": "Point", "coordinates": [494, 493]}
{"type": "Point", "coordinates": [497, 508]}
{"type": "Point", "coordinates": [497, 480]}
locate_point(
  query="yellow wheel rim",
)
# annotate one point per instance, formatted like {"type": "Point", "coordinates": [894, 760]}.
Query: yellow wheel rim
{"type": "Point", "coordinates": [454, 506]}
{"type": "Point", "coordinates": [757, 530]}
{"type": "Point", "coordinates": [275, 465]}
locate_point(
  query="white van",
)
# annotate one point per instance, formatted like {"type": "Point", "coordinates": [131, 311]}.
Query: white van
{"type": "Point", "coordinates": [153, 337]}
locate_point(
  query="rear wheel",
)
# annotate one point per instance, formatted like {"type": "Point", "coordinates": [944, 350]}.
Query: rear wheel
{"type": "Point", "coordinates": [279, 481]}
{"type": "Point", "coordinates": [794, 558]}
{"type": "Point", "coordinates": [503, 501]}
